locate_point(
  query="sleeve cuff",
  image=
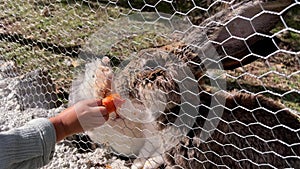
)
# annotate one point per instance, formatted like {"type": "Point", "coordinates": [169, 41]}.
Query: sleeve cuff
{"type": "Point", "coordinates": [48, 137]}
{"type": "Point", "coordinates": [30, 146]}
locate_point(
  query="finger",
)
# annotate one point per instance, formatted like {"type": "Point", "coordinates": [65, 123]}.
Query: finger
{"type": "Point", "coordinates": [94, 121]}
{"type": "Point", "coordinates": [100, 117]}
{"type": "Point", "coordinates": [93, 102]}
{"type": "Point", "coordinates": [99, 110]}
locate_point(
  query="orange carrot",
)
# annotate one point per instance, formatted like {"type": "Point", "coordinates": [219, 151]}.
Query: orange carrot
{"type": "Point", "coordinates": [110, 102]}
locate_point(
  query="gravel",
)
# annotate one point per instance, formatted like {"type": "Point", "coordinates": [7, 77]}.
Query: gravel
{"type": "Point", "coordinates": [66, 154]}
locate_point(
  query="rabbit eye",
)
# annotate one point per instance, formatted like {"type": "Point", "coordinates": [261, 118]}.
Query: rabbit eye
{"type": "Point", "coordinates": [93, 76]}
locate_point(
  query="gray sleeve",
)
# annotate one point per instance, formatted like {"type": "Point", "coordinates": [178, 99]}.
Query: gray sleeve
{"type": "Point", "coordinates": [30, 146]}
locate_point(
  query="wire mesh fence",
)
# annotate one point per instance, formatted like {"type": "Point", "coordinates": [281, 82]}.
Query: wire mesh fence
{"type": "Point", "coordinates": [207, 83]}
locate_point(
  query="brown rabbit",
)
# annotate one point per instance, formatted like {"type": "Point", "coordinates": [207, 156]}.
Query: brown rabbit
{"type": "Point", "coordinates": [180, 122]}
{"type": "Point", "coordinates": [253, 131]}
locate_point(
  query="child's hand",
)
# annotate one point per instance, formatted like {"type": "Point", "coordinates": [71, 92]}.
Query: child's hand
{"type": "Point", "coordinates": [91, 113]}
{"type": "Point", "coordinates": [82, 116]}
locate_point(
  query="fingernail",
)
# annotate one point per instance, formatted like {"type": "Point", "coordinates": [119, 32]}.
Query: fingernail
{"type": "Point", "coordinates": [99, 102]}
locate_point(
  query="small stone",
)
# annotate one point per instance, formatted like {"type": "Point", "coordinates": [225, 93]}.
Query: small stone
{"type": "Point", "coordinates": [75, 158]}
{"type": "Point", "coordinates": [3, 84]}
{"type": "Point", "coordinates": [66, 165]}
{"type": "Point", "coordinates": [5, 128]}
{"type": "Point", "coordinates": [11, 96]}
{"type": "Point", "coordinates": [18, 107]}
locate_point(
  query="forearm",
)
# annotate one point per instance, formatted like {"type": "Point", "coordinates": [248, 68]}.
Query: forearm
{"type": "Point", "coordinates": [30, 146]}
{"type": "Point", "coordinates": [66, 123]}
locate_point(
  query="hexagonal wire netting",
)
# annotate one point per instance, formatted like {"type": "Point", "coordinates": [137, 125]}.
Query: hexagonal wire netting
{"type": "Point", "coordinates": [207, 83]}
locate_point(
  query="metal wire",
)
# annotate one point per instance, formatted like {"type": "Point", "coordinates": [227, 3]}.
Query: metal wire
{"type": "Point", "coordinates": [207, 83]}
